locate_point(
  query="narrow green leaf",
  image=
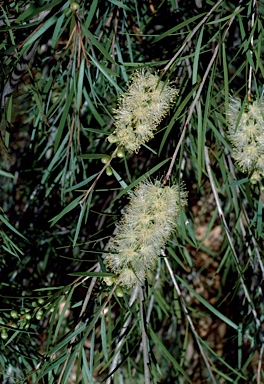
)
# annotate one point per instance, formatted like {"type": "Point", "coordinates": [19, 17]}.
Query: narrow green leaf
{"type": "Point", "coordinates": [161, 302]}
{"type": "Point", "coordinates": [90, 15]}
{"type": "Point", "coordinates": [67, 209]}
{"type": "Point", "coordinates": [200, 142]}
{"type": "Point", "coordinates": [93, 109]}
{"type": "Point", "coordinates": [63, 118]}
{"type": "Point", "coordinates": [173, 119]}
{"type": "Point", "coordinates": [92, 274]}
{"type": "Point", "coordinates": [161, 347]}
{"type": "Point", "coordinates": [10, 226]}
{"type": "Point", "coordinates": [119, 179]}
{"type": "Point", "coordinates": [178, 27]}
{"type": "Point", "coordinates": [97, 44]}
{"type": "Point", "coordinates": [84, 209]}
{"type": "Point", "coordinates": [141, 178]}
{"type": "Point", "coordinates": [6, 174]}
{"type": "Point", "coordinates": [226, 83]}
{"type": "Point", "coordinates": [41, 31]}
{"type": "Point", "coordinates": [81, 184]}
{"type": "Point", "coordinates": [91, 156]}
{"type": "Point", "coordinates": [80, 85]}
{"type": "Point", "coordinates": [103, 337]}
{"type": "Point", "coordinates": [106, 72]}
{"type": "Point", "coordinates": [69, 366]}
{"type": "Point", "coordinates": [120, 4]}
{"type": "Point", "coordinates": [87, 376]}
{"type": "Point", "coordinates": [66, 304]}
{"type": "Point", "coordinates": [56, 160]}
{"type": "Point", "coordinates": [260, 217]}
{"type": "Point", "coordinates": [197, 55]}
{"type": "Point", "coordinates": [208, 305]}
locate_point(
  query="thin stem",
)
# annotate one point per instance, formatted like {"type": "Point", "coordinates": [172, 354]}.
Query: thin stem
{"type": "Point", "coordinates": [196, 99]}
{"type": "Point", "coordinates": [197, 338]}
{"type": "Point", "coordinates": [251, 52]}
{"type": "Point", "coordinates": [122, 336]}
{"type": "Point", "coordinates": [222, 217]}
{"type": "Point", "coordinates": [186, 42]}
{"type": "Point", "coordinates": [144, 338]}
{"type": "Point", "coordinates": [260, 363]}
{"type": "Point", "coordinates": [98, 176]}
{"type": "Point", "coordinates": [84, 306]}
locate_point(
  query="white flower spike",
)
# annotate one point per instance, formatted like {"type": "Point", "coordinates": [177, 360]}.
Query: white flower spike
{"type": "Point", "coordinates": [146, 102]}
{"type": "Point", "coordinates": [247, 136]}
{"type": "Point", "coordinates": [148, 221]}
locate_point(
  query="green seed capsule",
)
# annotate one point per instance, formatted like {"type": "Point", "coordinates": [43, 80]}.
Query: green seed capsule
{"type": "Point", "coordinates": [105, 159]}
{"type": "Point", "coordinates": [75, 6]}
{"type": "Point", "coordinates": [28, 316]}
{"type": "Point", "coordinates": [39, 314]}
{"type": "Point", "coordinates": [41, 300]}
{"type": "Point", "coordinates": [14, 314]}
{"type": "Point", "coordinates": [108, 171]}
{"type": "Point", "coordinates": [119, 292]}
{"type": "Point", "coordinates": [4, 334]}
{"type": "Point", "coordinates": [120, 153]}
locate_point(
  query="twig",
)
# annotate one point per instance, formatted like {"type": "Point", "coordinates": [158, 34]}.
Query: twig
{"type": "Point", "coordinates": [190, 37]}
{"type": "Point", "coordinates": [122, 336]}
{"type": "Point", "coordinates": [193, 105]}
{"type": "Point", "coordinates": [260, 363]}
{"type": "Point", "coordinates": [150, 308]}
{"type": "Point", "coordinates": [98, 176]}
{"type": "Point", "coordinates": [189, 318]}
{"type": "Point", "coordinates": [191, 112]}
{"type": "Point", "coordinates": [222, 217]}
{"type": "Point", "coordinates": [251, 51]}
{"type": "Point", "coordinates": [84, 306]}
{"type": "Point", "coordinates": [144, 338]}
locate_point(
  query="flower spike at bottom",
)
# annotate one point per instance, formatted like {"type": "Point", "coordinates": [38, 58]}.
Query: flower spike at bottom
{"type": "Point", "coordinates": [148, 221]}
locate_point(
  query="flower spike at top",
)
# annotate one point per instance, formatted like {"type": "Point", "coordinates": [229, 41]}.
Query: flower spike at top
{"type": "Point", "coordinates": [141, 109]}
{"type": "Point", "coordinates": [146, 224]}
{"type": "Point", "coordinates": [247, 136]}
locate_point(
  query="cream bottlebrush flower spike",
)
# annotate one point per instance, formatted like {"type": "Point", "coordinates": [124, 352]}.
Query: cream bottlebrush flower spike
{"type": "Point", "coordinates": [148, 221]}
{"type": "Point", "coordinates": [247, 136]}
{"type": "Point", "coordinates": [141, 109]}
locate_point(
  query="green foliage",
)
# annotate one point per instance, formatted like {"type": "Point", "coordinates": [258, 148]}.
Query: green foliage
{"type": "Point", "coordinates": [198, 317]}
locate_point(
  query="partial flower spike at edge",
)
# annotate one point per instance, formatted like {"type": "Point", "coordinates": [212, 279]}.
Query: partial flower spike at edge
{"type": "Point", "coordinates": [247, 136]}
{"type": "Point", "coordinates": [146, 225]}
{"type": "Point", "coordinates": [141, 108]}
